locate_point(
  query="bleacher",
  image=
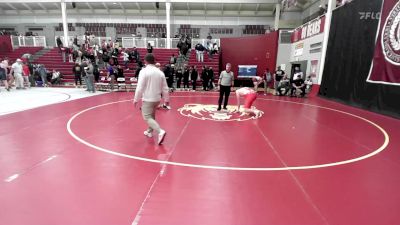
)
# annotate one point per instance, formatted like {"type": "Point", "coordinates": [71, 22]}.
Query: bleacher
{"type": "Point", "coordinates": [53, 60]}
{"type": "Point", "coordinates": [17, 53]}
{"type": "Point", "coordinates": [61, 28]}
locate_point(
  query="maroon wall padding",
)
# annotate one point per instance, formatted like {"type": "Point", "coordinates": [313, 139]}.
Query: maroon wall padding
{"type": "Point", "coordinates": [5, 44]}
{"type": "Point", "coordinates": [259, 50]}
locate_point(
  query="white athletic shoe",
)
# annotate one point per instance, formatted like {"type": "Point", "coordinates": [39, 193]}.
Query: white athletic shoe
{"type": "Point", "coordinates": [148, 134]}
{"type": "Point", "coordinates": [161, 136]}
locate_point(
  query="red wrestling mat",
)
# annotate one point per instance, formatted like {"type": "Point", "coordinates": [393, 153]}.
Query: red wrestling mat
{"type": "Point", "coordinates": [303, 161]}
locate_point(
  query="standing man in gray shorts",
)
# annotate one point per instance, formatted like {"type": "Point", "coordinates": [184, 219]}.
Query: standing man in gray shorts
{"type": "Point", "coordinates": [225, 82]}
{"type": "Point", "coordinates": [151, 85]}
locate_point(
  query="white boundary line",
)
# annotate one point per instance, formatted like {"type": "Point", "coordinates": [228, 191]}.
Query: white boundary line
{"type": "Point", "coordinates": [377, 151]}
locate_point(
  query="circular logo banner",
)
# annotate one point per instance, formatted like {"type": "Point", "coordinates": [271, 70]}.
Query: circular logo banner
{"type": "Point", "coordinates": [209, 112]}
{"type": "Point", "coordinates": [391, 36]}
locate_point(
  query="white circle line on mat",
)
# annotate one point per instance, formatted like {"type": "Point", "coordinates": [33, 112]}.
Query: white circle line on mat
{"type": "Point", "coordinates": [373, 153]}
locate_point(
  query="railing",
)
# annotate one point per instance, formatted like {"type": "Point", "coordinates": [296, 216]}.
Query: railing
{"type": "Point", "coordinates": [130, 42]}
{"type": "Point", "coordinates": [28, 41]}
{"type": "Point", "coordinates": [81, 40]}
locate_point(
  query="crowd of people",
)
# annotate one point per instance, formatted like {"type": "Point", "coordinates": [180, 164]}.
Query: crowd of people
{"type": "Point", "coordinates": [22, 74]}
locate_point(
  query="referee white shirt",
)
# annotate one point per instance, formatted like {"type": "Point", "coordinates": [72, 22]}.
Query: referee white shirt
{"type": "Point", "coordinates": [151, 85]}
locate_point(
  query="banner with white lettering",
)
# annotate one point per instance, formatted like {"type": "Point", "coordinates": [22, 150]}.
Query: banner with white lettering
{"type": "Point", "coordinates": [385, 68]}
{"type": "Point", "coordinates": [309, 29]}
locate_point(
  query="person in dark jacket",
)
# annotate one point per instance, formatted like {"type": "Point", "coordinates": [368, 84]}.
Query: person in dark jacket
{"type": "Point", "coordinates": [76, 70]}
{"type": "Point", "coordinates": [194, 75]}
{"type": "Point", "coordinates": [204, 77]}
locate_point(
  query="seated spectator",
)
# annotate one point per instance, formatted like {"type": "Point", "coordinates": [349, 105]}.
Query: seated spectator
{"type": "Point", "coordinates": [298, 85]}
{"type": "Point", "coordinates": [56, 77]}
{"type": "Point", "coordinates": [308, 82]}
{"type": "Point", "coordinates": [283, 84]}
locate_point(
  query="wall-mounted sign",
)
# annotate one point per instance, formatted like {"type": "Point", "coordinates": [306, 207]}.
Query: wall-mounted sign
{"type": "Point", "coordinates": [309, 29]}
{"type": "Point", "coordinates": [299, 49]}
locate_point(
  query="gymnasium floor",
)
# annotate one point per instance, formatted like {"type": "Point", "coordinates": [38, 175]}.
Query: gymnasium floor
{"type": "Point", "coordinates": [304, 161]}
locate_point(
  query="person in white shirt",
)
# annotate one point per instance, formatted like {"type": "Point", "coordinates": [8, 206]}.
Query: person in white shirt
{"type": "Point", "coordinates": [256, 81]}
{"type": "Point", "coordinates": [250, 96]}
{"type": "Point", "coordinates": [151, 86]}
{"type": "Point", "coordinates": [126, 59]}
{"type": "Point", "coordinates": [16, 69]}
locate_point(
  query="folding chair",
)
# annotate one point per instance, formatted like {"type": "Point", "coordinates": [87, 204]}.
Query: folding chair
{"type": "Point", "coordinates": [122, 79]}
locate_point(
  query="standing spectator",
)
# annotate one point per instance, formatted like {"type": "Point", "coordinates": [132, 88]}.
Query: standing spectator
{"type": "Point", "coordinates": [267, 80]}
{"type": "Point", "coordinates": [149, 48]}
{"type": "Point", "coordinates": [179, 75]}
{"type": "Point", "coordinates": [111, 76]}
{"type": "Point", "coordinates": [199, 52]}
{"type": "Point", "coordinates": [279, 74]}
{"type": "Point", "coordinates": [114, 56]}
{"type": "Point", "coordinates": [96, 73]}
{"type": "Point", "coordinates": [26, 74]}
{"type": "Point", "coordinates": [90, 77]}
{"type": "Point", "coordinates": [59, 44]}
{"type": "Point", "coordinates": [225, 82]}
{"type": "Point", "coordinates": [3, 76]}
{"type": "Point", "coordinates": [210, 78]}
{"type": "Point", "coordinates": [151, 86]}
{"type": "Point", "coordinates": [16, 69]}
{"type": "Point", "coordinates": [194, 75]}
{"type": "Point", "coordinates": [43, 75]}
{"type": "Point", "coordinates": [76, 70]}
{"type": "Point", "coordinates": [186, 75]}
{"type": "Point", "coordinates": [172, 60]}
{"type": "Point", "coordinates": [204, 77]}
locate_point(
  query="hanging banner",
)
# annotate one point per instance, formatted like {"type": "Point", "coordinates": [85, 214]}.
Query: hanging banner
{"type": "Point", "coordinates": [309, 29]}
{"type": "Point", "coordinates": [385, 68]}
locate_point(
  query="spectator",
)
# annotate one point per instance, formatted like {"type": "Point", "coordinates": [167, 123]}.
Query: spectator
{"type": "Point", "coordinates": [111, 76]}
{"type": "Point", "coordinates": [126, 59]}
{"type": "Point", "coordinates": [298, 85]}
{"type": "Point", "coordinates": [308, 82]}
{"type": "Point", "coordinates": [26, 74]}
{"type": "Point", "coordinates": [211, 78]}
{"type": "Point", "coordinates": [267, 80]}
{"type": "Point", "coordinates": [3, 76]}
{"type": "Point", "coordinates": [279, 74]}
{"type": "Point", "coordinates": [90, 77]}
{"type": "Point", "coordinates": [199, 52]}
{"type": "Point", "coordinates": [186, 75]}
{"type": "Point", "coordinates": [76, 70]}
{"type": "Point", "coordinates": [96, 73]}
{"type": "Point", "coordinates": [172, 60]}
{"type": "Point", "coordinates": [194, 76]}
{"type": "Point", "coordinates": [59, 44]}
{"type": "Point", "coordinates": [56, 77]}
{"type": "Point", "coordinates": [43, 75]}
{"type": "Point", "coordinates": [205, 77]}
{"type": "Point", "coordinates": [283, 84]}
{"type": "Point", "coordinates": [149, 48]}
{"type": "Point", "coordinates": [16, 69]}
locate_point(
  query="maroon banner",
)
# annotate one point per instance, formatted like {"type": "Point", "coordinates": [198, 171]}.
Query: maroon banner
{"type": "Point", "coordinates": [309, 29]}
{"type": "Point", "coordinates": [385, 68]}
{"type": "Point", "coordinates": [5, 44]}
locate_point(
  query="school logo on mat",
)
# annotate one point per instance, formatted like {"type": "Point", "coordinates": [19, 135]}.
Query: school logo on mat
{"type": "Point", "coordinates": [209, 112]}
{"type": "Point", "coordinates": [391, 36]}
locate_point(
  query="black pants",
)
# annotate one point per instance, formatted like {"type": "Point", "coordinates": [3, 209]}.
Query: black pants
{"type": "Point", "coordinates": [223, 90]}
{"type": "Point", "coordinates": [194, 83]}
{"type": "Point", "coordinates": [205, 85]}
{"type": "Point", "coordinates": [303, 91]}
{"type": "Point", "coordinates": [185, 83]}
{"type": "Point", "coordinates": [78, 77]}
{"type": "Point", "coordinates": [178, 82]}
